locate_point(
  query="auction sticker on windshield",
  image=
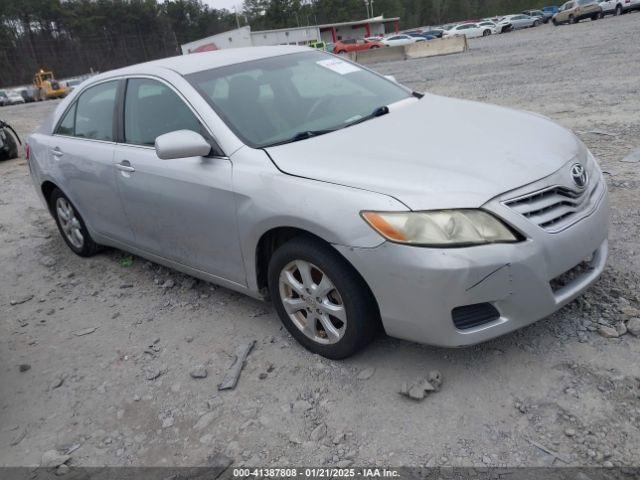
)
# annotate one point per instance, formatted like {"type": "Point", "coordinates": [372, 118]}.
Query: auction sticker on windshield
{"type": "Point", "coordinates": [338, 66]}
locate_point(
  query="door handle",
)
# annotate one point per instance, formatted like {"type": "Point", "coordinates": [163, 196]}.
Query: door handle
{"type": "Point", "coordinates": [125, 166]}
{"type": "Point", "coordinates": [56, 152]}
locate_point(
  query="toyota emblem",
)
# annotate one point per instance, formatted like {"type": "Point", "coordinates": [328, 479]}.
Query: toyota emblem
{"type": "Point", "coordinates": [579, 175]}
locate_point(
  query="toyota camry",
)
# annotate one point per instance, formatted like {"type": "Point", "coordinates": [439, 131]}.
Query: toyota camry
{"type": "Point", "coordinates": [351, 202]}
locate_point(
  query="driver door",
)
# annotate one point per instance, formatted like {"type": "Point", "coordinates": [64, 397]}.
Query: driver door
{"type": "Point", "coordinates": [181, 209]}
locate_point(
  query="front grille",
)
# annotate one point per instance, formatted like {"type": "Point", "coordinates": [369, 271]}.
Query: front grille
{"type": "Point", "coordinates": [471, 316]}
{"type": "Point", "coordinates": [555, 208]}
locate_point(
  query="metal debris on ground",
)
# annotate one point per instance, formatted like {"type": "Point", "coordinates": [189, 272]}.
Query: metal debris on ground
{"type": "Point", "coordinates": [233, 374]}
{"type": "Point", "coordinates": [419, 389]}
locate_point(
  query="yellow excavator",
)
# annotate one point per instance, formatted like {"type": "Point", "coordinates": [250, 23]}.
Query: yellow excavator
{"type": "Point", "coordinates": [47, 86]}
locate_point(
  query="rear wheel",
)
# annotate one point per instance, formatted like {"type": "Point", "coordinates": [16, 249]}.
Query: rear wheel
{"type": "Point", "coordinates": [322, 301]}
{"type": "Point", "coordinates": [71, 225]}
{"type": "Point", "coordinates": [572, 19]}
{"type": "Point", "coordinates": [618, 10]}
{"type": "Point", "coordinates": [555, 22]}
{"type": "Point", "coordinates": [486, 33]}
{"type": "Point", "coordinates": [536, 23]}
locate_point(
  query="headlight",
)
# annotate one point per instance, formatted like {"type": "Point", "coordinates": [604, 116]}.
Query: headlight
{"type": "Point", "coordinates": [440, 228]}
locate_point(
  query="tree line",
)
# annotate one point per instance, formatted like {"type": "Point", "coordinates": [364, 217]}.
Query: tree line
{"type": "Point", "coordinates": [73, 37]}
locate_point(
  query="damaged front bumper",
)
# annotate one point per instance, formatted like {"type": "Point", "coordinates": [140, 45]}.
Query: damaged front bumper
{"type": "Point", "coordinates": [417, 289]}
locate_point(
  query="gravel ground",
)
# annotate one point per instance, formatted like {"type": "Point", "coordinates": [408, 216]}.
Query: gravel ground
{"type": "Point", "coordinates": [107, 344]}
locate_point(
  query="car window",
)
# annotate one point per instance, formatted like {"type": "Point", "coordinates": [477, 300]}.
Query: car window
{"type": "Point", "coordinates": [67, 125]}
{"type": "Point", "coordinates": [270, 100]}
{"type": "Point", "coordinates": [152, 109]}
{"type": "Point", "coordinates": [94, 112]}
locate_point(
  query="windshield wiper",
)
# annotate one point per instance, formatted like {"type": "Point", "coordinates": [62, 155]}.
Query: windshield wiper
{"type": "Point", "coordinates": [303, 136]}
{"type": "Point", "coordinates": [378, 112]}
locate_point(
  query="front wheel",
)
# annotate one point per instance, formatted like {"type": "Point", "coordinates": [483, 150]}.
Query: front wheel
{"type": "Point", "coordinates": [486, 33]}
{"type": "Point", "coordinates": [71, 225]}
{"type": "Point", "coordinates": [618, 10]}
{"type": "Point", "coordinates": [555, 22]}
{"type": "Point", "coordinates": [573, 19]}
{"type": "Point", "coordinates": [536, 23]}
{"type": "Point", "coordinates": [321, 299]}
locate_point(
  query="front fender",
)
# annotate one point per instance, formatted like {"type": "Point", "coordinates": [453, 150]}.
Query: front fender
{"type": "Point", "coordinates": [267, 198]}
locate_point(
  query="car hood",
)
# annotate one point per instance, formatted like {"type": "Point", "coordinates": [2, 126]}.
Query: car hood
{"type": "Point", "coordinates": [437, 152]}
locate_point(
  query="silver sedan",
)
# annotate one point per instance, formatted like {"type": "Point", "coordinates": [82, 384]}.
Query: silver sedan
{"type": "Point", "coordinates": [353, 203]}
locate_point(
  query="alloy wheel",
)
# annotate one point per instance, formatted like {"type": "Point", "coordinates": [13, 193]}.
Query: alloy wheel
{"type": "Point", "coordinates": [312, 302]}
{"type": "Point", "coordinates": [69, 222]}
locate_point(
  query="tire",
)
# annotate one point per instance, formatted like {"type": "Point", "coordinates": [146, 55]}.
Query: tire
{"type": "Point", "coordinates": [536, 23]}
{"type": "Point", "coordinates": [9, 144]}
{"type": "Point", "coordinates": [346, 292]}
{"type": "Point", "coordinates": [618, 11]}
{"type": "Point", "coordinates": [59, 205]}
{"type": "Point", "coordinates": [486, 33]}
{"type": "Point", "coordinates": [375, 46]}
{"type": "Point", "coordinates": [555, 22]}
{"type": "Point", "coordinates": [572, 19]}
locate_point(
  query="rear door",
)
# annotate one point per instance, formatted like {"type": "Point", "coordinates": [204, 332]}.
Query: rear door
{"type": "Point", "coordinates": [82, 150]}
{"type": "Point", "coordinates": [181, 209]}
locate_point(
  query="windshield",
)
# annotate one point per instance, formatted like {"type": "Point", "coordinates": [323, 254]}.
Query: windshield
{"type": "Point", "coordinates": [269, 101]}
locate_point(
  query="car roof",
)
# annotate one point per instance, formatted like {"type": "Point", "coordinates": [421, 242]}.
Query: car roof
{"type": "Point", "coordinates": [197, 62]}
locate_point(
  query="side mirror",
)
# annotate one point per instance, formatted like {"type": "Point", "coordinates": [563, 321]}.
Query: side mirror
{"type": "Point", "coordinates": [391, 77]}
{"type": "Point", "coordinates": [181, 144]}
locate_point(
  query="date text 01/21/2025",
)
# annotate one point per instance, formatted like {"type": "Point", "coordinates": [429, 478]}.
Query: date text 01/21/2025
{"type": "Point", "coordinates": [315, 472]}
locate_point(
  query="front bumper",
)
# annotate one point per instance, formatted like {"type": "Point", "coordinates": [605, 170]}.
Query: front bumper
{"type": "Point", "coordinates": [417, 288]}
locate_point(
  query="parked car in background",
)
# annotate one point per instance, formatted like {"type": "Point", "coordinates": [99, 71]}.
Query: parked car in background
{"type": "Point", "coordinates": [278, 199]}
{"type": "Point", "coordinates": [401, 39]}
{"type": "Point", "coordinates": [435, 32]}
{"type": "Point", "coordinates": [551, 9]}
{"type": "Point", "coordinates": [353, 45]}
{"type": "Point", "coordinates": [539, 14]}
{"type": "Point", "coordinates": [13, 97]}
{"type": "Point", "coordinates": [491, 25]}
{"type": "Point", "coordinates": [618, 7]}
{"type": "Point", "coordinates": [4, 100]}
{"type": "Point", "coordinates": [28, 94]}
{"type": "Point", "coordinates": [421, 36]}
{"type": "Point", "coordinates": [469, 30]}
{"type": "Point", "coordinates": [609, 7]}
{"type": "Point", "coordinates": [503, 24]}
{"type": "Point", "coordinates": [576, 10]}
{"type": "Point", "coordinates": [520, 21]}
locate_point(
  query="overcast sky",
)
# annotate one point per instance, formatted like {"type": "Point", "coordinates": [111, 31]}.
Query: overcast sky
{"type": "Point", "coordinates": [228, 4]}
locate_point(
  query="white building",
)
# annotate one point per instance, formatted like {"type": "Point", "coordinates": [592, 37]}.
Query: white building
{"type": "Point", "coordinates": [330, 33]}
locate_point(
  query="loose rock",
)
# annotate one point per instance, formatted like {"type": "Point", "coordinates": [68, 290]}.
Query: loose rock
{"type": "Point", "coordinates": [366, 374]}
{"type": "Point", "coordinates": [633, 327]}
{"type": "Point", "coordinates": [608, 332]}
{"type": "Point", "coordinates": [151, 373]}
{"type": "Point", "coordinates": [21, 300]}
{"type": "Point", "coordinates": [318, 433]}
{"type": "Point", "coordinates": [204, 421]}
{"type": "Point", "coordinates": [53, 459]}
{"type": "Point", "coordinates": [419, 389]}
{"type": "Point", "coordinates": [199, 371]}
{"type": "Point", "coordinates": [24, 367]}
